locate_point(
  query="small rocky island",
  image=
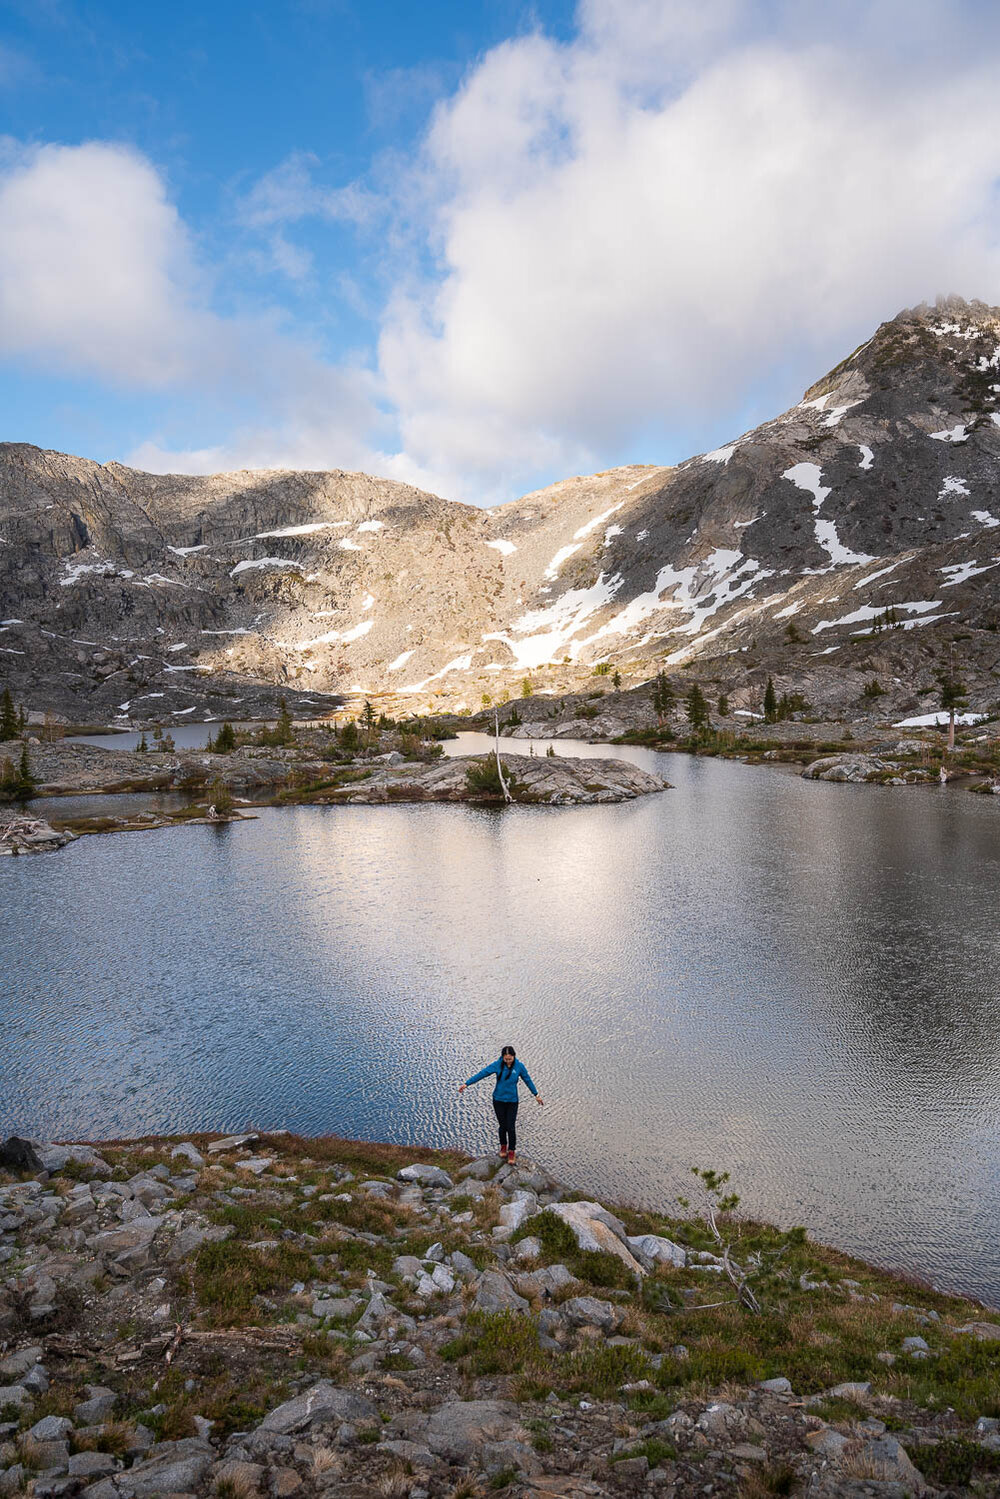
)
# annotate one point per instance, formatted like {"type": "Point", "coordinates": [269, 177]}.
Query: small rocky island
{"type": "Point", "coordinates": [268, 1315]}
{"type": "Point", "coordinates": [287, 764]}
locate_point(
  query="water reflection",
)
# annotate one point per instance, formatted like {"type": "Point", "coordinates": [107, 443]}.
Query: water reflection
{"type": "Point", "coordinates": [793, 981]}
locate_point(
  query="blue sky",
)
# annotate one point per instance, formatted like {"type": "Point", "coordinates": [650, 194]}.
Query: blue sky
{"type": "Point", "coordinates": [479, 246]}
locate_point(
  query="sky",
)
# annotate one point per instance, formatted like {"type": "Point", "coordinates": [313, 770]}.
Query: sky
{"type": "Point", "coordinates": [475, 246]}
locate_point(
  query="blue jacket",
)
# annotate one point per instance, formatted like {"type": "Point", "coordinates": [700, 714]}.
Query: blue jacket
{"type": "Point", "coordinates": [506, 1085]}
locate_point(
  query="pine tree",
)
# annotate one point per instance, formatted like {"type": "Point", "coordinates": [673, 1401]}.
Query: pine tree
{"type": "Point", "coordinates": [616, 681]}
{"type": "Point", "coordinates": [697, 709]}
{"type": "Point", "coordinates": [25, 779]}
{"type": "Point", "coordinates": [770, 703]}
{"type": "Point", "coordinates": [663, 696]}
{"type": "Point", "coordinates": [8, 716]}
{"type": "Point", "coordinates": [142, 748]}
{"type": "Point", "coordinates": [723, 705]}
{"type": "Point", "coordinates": [225, 740]}
{"type": "Point", "coordinates": [526, 687]}
{"type": "Point", "coordinates": [368, 719]}
{"type": "Point", "coordinates": [349, 735]}
{"type": "Point", "coordinates": [284, 728]}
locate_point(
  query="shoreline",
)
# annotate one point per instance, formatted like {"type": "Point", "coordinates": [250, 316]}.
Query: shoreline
{"type": "Point", "coordinates": [282, 1315]}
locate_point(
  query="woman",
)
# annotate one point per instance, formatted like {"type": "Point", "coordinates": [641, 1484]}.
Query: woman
{"type": "Point", "coordinates": [508, 1072]}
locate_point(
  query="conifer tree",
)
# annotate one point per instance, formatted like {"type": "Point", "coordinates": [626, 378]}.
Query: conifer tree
{"type": "Point", "coordinates": [25, 779]}
{"type": "Point", "coordinates": [284, 730]}
{"type": "Point", "coordinates": [723, 705]}
{"type": "Point", "coordinates": [224, 741]}
{"type": "Point", "coordinates": [663, 696]}
{"type": "Point", "coordinates": [770, 703]}
{"type": "Point", "coordinates": [697, 709]}
{"type": "Point", "coordinates": [8, 716]}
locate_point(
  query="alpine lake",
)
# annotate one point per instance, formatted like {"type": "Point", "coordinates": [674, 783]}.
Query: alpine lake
{"type": "Point", "coordinates": [793, 981]}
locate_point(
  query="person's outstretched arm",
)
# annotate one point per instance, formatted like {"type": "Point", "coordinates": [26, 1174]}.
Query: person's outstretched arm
{"type": "Point", "coordinates": [527, 1078]}
{"type": "Point", "coordinates": [489, 1071]}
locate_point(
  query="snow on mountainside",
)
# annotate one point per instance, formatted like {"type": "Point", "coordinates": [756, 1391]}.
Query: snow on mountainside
{"type": "Point", "coordinates": [879, 491]}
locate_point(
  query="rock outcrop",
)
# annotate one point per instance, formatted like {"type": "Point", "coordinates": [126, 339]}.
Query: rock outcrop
{"type": "Point", "coordinates": [321, 1319]}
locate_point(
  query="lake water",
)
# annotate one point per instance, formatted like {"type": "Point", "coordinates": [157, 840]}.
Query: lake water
{"type": "Point", "coordinates": [793, 981]}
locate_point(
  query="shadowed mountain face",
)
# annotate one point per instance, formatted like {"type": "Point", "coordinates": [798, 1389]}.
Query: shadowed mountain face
{"type": "Point", "coordinates": [879, 491]}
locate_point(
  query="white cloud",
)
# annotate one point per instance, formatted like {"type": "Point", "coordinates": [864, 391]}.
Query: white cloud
{"type": "Point", "coordinates": [96, 272]}
{"type": "Point", "coordinates": [618, 254]}
{"type": "Point", "coordinates": [679, 216]}
{"type": "Point", "coordinates": [99, 276]}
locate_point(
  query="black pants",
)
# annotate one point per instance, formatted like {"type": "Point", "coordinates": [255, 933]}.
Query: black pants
{"type": "Point", "coordinates": [506, 1118]}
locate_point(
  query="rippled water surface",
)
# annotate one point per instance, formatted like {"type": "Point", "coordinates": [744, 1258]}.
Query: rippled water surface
{"type": "Point", "coordinates": [794, 981]}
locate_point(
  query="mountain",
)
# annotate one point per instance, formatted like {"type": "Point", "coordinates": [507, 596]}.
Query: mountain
{"type": "Point", "coordinates": [873, 501]}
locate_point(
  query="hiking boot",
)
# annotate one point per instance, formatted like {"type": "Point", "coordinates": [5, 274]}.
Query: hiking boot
{"type": "Point", "coordinates": [511, 1157]}
{"type": "Point", "coordinates": [503, 1154]}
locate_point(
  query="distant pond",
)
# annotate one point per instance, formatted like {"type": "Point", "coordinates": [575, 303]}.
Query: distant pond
{"type": "Point", "coordinates": [794, 981]}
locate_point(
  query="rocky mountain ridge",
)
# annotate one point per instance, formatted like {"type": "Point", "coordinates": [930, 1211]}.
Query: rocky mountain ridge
{"type": "Point", "coordinates": [873, 502]}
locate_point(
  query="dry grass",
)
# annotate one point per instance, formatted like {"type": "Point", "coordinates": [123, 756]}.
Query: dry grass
{"type": "Point", "coordinates": [326, 1460]}
{"type": "Point", "coordinates": [395, 1484]}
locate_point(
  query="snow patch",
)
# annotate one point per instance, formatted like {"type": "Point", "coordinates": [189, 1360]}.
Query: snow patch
{"type": "Point", "coordinates": [963, 571]}
{"type": "Point", "coordinates": [867, 456]}
{"type": "Point", "coordinates": [953, 434]}
{"type": "Point", "coordinates": [882, 573]}
{"type": "Point", "coordinates": [76, 571]}
{"type": "Point", "coordinates": [552, 571]}
{"type": "Point", "coordinates": [593, 524]}
{"type": "Point", "coordinates": [460, 663]}
{"type": "Point", "coordinates": [611, 533]}
{"type": "Point", "coordinates": [349, 546]}
{"type": "Point", "coordinates": [372, 525]}
{"type": "Point", "coordinates": [309, 529]}
{"type": "Point", "coordinates": [504, 547]}
{"type": "Point", "coordinates": [719, 455]}
{"type": "Point", "coordinates": [808, 477]}
{"type": "Point", "coordinates": [936, 720]}
{"type": "Point", "coordinates": [792, 609]}
{"type": "Point", "coordinates": [985, 518]}
{"type": "Point", "coordinates": [952, 485]}
{"type": "Point", "coordinates": [866, 612]}
{"type": "Point", "coordinates": [400, 661]}
{"type": "Point", "coordinates": [186, 551]}
{"type": "Point", "coordinates": [245, 567]}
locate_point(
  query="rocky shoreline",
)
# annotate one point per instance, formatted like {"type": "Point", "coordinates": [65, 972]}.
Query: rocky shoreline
{"type": "Point", "coordinates": [270, 1315]}
{"type": "Point", "coordinates": [301, 773]}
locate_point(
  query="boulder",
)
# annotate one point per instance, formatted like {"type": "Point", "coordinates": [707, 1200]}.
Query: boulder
{"type": "Point", "coordinates": [494, 1293]}
{"type": "Point", "coordinates": [16, 1364]}
{"type": "Point", "coordinates": [587, 1311]}
{"type": "Point", "coordinates": [459, 1430]}
{"type": "Point", "coordinates": [56, 1158]}
{"type": "Point", "coordinates": [51, 1429]}
{"type": "Point", "coordinates": [189, 1152]}
{"type": "Point", "coordinates": [427, 1176]}
{"type": "Point", "coordinates": [99, 1404]}
{"type": "Point", "coordinates": [178, 1473]}
{"type": "Point", "coordinates": [19, 1155]}
{"type": "Point", "coordinates": [521, 1206]}
{"type": "Point", "coordinates": [594, 1228]}
{"type": "Point", "coordinates": [657, 1250]}
{"type": "Point", "coordinates": [231, 1142]}
{"type": "Point", "coordinates": [334, 1306]}
{"type": "Point", "coordinates": [891, 1460]}
{"type": "Point", "coordinates": [322, 1402]}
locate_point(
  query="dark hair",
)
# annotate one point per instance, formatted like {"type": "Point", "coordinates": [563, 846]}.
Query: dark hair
{"type": "Point", "coordinates": [503, 1051]}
